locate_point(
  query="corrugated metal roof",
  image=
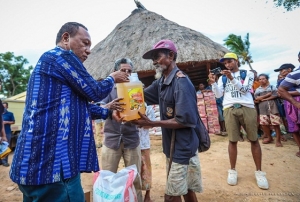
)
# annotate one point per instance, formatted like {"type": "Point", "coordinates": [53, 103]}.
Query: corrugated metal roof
{"type": "Point", "coordinates": [19, 97]}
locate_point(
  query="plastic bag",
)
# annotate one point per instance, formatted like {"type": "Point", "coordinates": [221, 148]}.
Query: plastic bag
{"type": "Point", "coordinates": [115, 187]}
{"type": "Point", "coordinates": [4, 150]}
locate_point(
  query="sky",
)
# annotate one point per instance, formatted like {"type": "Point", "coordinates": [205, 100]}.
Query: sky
{"type": "Point", "coordinates": [29, 27]}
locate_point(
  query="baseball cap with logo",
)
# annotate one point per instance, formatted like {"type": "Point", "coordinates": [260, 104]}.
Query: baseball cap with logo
{"type": "Point", "coordinates": [229, 56]}
{"type": "Point", "coordinates": [162, 44]}
{"type": "Point", "coordinates": [285, 66]}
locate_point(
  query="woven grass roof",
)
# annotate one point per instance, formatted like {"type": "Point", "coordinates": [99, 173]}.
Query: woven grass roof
{"type": "Point", "coordinates": [138, 33]}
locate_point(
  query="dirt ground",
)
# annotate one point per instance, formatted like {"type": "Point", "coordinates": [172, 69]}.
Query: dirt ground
{"type": "Point", "coordinates": [280, 164]}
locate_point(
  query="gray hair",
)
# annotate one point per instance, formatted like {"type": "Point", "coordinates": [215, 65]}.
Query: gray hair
{"type": "Point", "coordinates": [122, 61]}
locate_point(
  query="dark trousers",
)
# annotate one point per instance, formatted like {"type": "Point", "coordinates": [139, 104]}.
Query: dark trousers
{"type": "Point", "coordinates": [68, 190]}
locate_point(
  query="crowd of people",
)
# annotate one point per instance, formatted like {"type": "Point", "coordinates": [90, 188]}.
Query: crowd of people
{"type": "Point", "coordinates": [275, 115]}
{"type": "Point", "coordinates": [57, 142]}
{"type": "Point", "coordinates": [252, 103]}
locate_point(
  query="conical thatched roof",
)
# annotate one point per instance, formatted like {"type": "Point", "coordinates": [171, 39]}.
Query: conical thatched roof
{"type": "Point", "coordinates": [138, 33]}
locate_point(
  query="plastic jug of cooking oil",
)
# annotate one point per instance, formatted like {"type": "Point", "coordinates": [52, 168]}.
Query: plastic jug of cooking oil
{"type": "Point", "coordinates": [133, 95]}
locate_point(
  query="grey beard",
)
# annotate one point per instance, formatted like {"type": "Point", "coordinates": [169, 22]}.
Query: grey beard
{"type": "Point", "coordinates": [159, 71]}
{"type": "Point", "coordinates": [158, 74]}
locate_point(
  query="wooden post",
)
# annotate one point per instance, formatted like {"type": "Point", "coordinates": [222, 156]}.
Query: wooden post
{"type": "Point", "coordinates": [208, 66]}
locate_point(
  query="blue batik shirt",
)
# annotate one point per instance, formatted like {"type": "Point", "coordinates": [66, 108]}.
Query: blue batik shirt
{"type": "Point", "coordinates": [56, 136]}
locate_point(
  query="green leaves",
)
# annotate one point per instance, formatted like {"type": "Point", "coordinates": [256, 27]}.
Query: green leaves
{"type": "Point", "coordinates": [14, 74]}
{"type": "Point", "coordinates": [240, 47]}
{"type": "Point", "coordinates": [289, 5]}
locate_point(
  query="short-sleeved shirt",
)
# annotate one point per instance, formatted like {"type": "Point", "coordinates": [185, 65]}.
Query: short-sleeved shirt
{"type": "Point", "coordinates": [290, 89]}
{"type": "Point", "coordinates": [269, 106]}
{"type": "Point", "coordinates": [176, 97]}
{"type": "Point", "coordinates": [292, 80]}
{"type": "Point", "coordinates": [8, 116]}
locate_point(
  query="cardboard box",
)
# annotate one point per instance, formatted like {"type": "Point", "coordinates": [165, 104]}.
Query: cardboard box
{"type": "Point", "coordinates": [207, 98]}
{"type": "Point", "coordinates": [201, 108]}
{"type": "Point", "coordinates": [200, 102]}
{"type": "Point", "coordinates": [213, 118]}
{"type": "Point", "coordinates": [211, 107]}
{"type": "Point", "coordinates": [199, 96]}
{"type": "Point", "coordinates": [212, 113]}
{"type": "Point", "coordinates": [210, 102]}
{"type": "Point", "coordinates": [206, 94]}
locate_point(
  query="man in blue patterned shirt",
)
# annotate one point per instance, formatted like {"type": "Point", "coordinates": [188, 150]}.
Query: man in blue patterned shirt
{"type": "Point", "coordinates": [56, 143]}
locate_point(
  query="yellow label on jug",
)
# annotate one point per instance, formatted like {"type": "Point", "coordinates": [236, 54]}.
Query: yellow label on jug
{"type": "Point", "coordinates": [135, 98]}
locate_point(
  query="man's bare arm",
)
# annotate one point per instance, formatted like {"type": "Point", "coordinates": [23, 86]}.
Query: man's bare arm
{"type": "Point", "coordinates": [287, 96]}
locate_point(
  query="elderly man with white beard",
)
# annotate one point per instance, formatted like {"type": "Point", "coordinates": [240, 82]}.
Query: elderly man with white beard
{"type": "Point", "coordinates": [176, 96]}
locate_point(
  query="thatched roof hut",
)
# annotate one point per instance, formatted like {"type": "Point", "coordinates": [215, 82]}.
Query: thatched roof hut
{"type": "Point", "coordinates": [139, 32]}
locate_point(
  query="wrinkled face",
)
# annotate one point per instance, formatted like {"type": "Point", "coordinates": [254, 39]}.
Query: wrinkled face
{"type": "Point", "coordinates": [161, 62]}
{"type": "Point", "coordinates": [126, 68]}
{"type": "Point", "coordinates": [263, 80]}
{"type": "Point", "coordinates": [231, 64]}
{"type": "Point", "coordinates": [80, 44]}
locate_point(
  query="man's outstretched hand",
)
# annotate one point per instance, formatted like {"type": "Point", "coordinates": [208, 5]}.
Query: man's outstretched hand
{"type": "Point", "coordinates": [144, 121]}
{"type": "Point", "coordinates": [115, 105]}
{"type": "Point", "coordinates": [117, 116]}
{"type": "Point", "coordinates": [120, 77]}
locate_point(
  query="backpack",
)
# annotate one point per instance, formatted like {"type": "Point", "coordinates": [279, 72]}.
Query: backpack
{"type": "Point", "coordinates": [202, 133]}
{"type": "Point", "coordinates": [243, 74]}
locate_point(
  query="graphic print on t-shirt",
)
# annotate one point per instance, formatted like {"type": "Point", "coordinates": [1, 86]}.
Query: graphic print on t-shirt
{"type": "Point", "coordinates": [235, 93]}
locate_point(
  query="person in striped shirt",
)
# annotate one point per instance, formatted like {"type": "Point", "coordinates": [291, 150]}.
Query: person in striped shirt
{"type": "Point", "coordinates": [292, 80]}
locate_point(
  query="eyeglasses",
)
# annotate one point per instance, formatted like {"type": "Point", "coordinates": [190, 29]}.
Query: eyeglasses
{"type": "Point", "coordinates": [126, 70]}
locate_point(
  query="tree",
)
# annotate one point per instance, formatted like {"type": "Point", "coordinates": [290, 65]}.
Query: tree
{"type": "Point", "coordinates": [14, 74]}
{"type": "Point", "coordinates": [289, 5]}
{"type": "Point", "coordinates": [240, 47]}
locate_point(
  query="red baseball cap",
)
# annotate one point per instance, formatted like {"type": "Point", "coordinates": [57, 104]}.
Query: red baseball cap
{"type": "Point", "coordinates": [162, 44]}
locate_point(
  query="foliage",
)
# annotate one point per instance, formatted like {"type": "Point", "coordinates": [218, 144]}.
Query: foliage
{"type": "Point", "coordinates": [236, 45]}
{"type": "Point", "coordinates": [14, 74]}
{"type": "Point", "coordinates": [289, 5]}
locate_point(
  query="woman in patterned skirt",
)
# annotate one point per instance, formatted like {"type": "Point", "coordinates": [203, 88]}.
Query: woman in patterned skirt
{"type": "Point", "coordinates": [265, 96]}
